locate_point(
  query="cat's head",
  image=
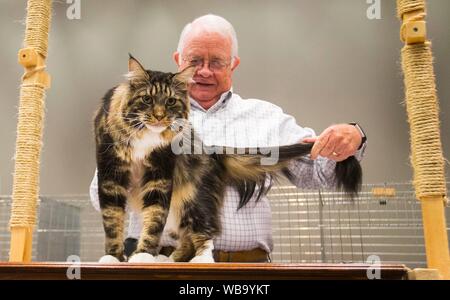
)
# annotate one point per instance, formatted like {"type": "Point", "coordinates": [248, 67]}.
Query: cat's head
{"type": "Point", "coordinates": [156, 99]}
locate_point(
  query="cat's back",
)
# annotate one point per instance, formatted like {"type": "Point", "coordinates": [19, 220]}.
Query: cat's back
{"type": "Point", "coordinates": [103, 109]}
{"type": "Point", "coordinates": [109, 110]}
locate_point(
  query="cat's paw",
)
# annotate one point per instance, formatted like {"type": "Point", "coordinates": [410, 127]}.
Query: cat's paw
{"type": "Point", "coordinates": [204, 258]}
{"type": "Point", "coordinates": [163, 259]}
{"type": "Point", "coordinates": [142, 258]}
{"type": "Point", "coordinates": [108, 259]}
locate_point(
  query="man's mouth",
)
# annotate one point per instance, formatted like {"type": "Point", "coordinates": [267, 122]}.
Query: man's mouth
{"type": "Point", "coordinates": [203, 83]}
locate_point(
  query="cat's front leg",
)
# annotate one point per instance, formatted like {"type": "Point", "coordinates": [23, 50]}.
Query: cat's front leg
{"type": "Point", "coordinates": [113, 220]}
{"type": "Point", "coordinates": [154, 214]}
{"type": "Point", "coordinates": [112, 197]}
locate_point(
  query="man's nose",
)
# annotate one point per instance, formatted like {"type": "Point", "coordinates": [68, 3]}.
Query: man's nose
{"type": "Point", "coordinates": [204, 70]}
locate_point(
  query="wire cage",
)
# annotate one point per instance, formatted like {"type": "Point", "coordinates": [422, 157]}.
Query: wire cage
{"type": "Point", "coordinates": [384, 223]}
{"type": "Point", "coordinates": [57, 234]}
{"type": "Point", "coordinates": [308, 227]}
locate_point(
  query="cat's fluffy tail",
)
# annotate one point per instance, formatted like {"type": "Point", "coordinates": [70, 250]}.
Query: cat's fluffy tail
{"type": "Point", "coordinates": [248, 171]}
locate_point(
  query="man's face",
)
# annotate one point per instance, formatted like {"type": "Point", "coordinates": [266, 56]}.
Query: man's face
{"type": "Point", "coordinates": [211, 53]}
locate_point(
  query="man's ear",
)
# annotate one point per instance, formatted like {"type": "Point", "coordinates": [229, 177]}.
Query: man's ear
{"type": "Point", "coordinates": [176, 58]}
{"type": "Point", "coordinates": [236, 63]}
{"type": "Point", "coordinates": [136, 70]}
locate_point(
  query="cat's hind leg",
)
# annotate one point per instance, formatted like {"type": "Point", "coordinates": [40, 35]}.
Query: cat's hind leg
{"type": "Point", "coordinates": [204, 247]}
{"type": "Point", "coordinates": [185, 251]}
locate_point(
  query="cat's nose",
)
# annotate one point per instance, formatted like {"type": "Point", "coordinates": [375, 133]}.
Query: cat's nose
{"type": "Point", "coordinates": [159, 112]}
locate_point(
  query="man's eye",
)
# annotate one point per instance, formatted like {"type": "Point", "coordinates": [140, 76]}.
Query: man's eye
{"type": "Point", "coordinates": [195, 62]}
{"type": "Point", "coordinates": [147, 99]}
{"type": "Point", "coordinates": [217, 64]}
{"type": "Point", "coordinates": [171, 101]}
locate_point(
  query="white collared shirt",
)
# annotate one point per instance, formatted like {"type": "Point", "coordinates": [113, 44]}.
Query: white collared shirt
{"type": "Point", "coordinates": [236, 122]}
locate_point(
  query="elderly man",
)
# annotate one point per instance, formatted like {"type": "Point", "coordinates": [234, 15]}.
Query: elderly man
{"type": "Point", "coordinates": [222, 117]}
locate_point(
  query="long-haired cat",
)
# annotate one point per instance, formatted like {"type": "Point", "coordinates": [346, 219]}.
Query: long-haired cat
{"type": "Point", "coordinates": [135, 130]}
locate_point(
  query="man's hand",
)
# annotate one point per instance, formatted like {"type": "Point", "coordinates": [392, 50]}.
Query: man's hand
{"type": "Point", "coordinates": [337, 142]}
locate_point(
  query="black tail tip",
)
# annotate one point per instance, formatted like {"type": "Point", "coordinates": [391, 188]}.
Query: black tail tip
{"type": "Point", "coordinates": [349, 176]}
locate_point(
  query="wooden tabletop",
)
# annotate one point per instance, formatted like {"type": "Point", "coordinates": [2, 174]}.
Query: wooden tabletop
{"type": "Point", "coordinates": [191, 271]}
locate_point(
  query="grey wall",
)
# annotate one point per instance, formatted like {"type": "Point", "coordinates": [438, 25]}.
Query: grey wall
{"type": "Point", "coordinates": [322, 61]}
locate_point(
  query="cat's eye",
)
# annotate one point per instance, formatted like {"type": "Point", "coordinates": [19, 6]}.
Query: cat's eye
{"type": "Point", "coordinates": [147, 99]}
{"type": "Point", "coordinates": [171, 101]}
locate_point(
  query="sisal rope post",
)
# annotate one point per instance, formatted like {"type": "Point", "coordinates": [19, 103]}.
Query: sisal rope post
{"type": "Point", "coordinates": [423, 117]}
{"type": "Point", "coordinates": [29, 129]}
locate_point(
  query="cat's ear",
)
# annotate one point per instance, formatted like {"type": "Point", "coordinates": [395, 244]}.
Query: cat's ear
{"type": "Point", "coordinates": [135, 70]}
{"type": "Point", "coordinates": [185, 76]}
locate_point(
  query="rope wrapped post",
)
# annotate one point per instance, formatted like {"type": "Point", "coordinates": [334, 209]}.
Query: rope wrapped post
{"type": "Point", "coordinates": [29, 129]}
{"type": "Point", "coordinates": [423, 117]}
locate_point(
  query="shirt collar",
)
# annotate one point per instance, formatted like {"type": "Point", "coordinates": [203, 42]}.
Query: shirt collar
{"type": "Point", "coordinates": [223, 100]}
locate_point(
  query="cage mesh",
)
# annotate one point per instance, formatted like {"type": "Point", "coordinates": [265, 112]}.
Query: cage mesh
{"type": "Point", "coordinates": [308, 227]}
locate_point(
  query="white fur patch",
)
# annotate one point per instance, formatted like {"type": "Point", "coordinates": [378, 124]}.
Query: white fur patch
{"type": "Point", "coordinates": [144, 145]}
{"type": "Point", "coordinates": [157, 129]}
{"type": "Point", "coordinates": [108, 259]}
{"type": "Point", "coordinates": [163, 259]}
{"type": "Point", "coordinates": [206, 256]}
{"type": "Point", "coordinates": [142, 258]}
{"type": "Point", "coordinates": [203, 259]}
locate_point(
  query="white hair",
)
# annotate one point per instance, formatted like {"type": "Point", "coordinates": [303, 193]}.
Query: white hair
{"type": "Point", "coordinates": [211, 24]}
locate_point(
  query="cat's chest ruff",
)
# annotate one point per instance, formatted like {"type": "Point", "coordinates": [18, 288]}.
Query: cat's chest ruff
{"type": "Point", "coordinates": [141, 147]}
{"type": "Point", "coordinates": [144, 144]}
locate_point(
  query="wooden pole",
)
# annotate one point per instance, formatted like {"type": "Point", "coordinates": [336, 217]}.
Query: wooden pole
{"type": "Point", "coordinates": [29, 129]}
{"type": "Point", "coordinates": [423, 117]}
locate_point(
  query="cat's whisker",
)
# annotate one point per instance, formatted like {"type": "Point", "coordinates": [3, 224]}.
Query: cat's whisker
{"type": "Point", "coordinates": [124, 140]}
{"type": "Point", "coordinates": [120, 114]}
{"type": "Point", "coordinates": [129, 120]}
{"type": "Point", "coordinates": [112, 128]}
{"type": "Point", "coordinates": [121, 131]}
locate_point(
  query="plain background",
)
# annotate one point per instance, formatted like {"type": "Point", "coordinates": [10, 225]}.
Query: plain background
{"type": "Point", "coordinates": [322, 61]}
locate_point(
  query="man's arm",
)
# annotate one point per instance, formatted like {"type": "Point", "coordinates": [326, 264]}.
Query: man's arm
{"type": "Point", "coordinates": [338, 142]}
{"type": "Point", "coordinates": [334, 144]}
{"type": "Point", "coordinates": [318, 173]}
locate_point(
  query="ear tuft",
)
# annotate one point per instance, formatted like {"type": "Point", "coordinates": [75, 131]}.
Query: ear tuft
{"type": "Point", "coordinates": [184, 76]}
{"type": "Point", "coordinates": [136, 70]}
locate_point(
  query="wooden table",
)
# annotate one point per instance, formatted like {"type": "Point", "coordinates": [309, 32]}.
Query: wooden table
{"type": "Point", "coordinates": [190, 271]}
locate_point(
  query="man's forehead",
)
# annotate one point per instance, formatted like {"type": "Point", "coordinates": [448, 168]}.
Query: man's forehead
{"type": "Point", "coordinates": [202, 32]}
{"type": "Point", "coordinates": [202, 42]}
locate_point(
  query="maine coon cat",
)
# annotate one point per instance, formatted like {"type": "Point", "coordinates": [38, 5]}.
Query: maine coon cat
{"type": "Point", "coordinates": [135, 128]}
